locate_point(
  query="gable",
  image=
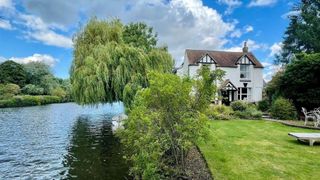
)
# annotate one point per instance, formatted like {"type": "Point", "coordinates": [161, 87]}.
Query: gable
{"type": "Point", "coordinates": [227, 85]}
{"type": "Point", "coordinates": [206, 59]}
{"type": "Point", "coordinates": [245, 60]}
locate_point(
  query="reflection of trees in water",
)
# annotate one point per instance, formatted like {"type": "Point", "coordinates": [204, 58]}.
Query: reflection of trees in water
{"type": "Point", "coordinates": [94, 153]}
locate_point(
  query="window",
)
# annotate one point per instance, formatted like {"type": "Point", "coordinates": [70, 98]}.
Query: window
{"type": "Point", "coordinates": [244, 71]}
{"type": "Point", "coordinates": [244, 94]}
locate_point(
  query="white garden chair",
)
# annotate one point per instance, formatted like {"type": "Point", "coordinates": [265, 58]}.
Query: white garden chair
{"type": "Point", "coordinates": [317, 115]}
{"type": "Point", "coordinates": [308, 115]}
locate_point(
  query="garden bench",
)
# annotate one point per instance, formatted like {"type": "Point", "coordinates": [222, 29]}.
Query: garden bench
{"type": "Point", "coordinates": [307, 137]}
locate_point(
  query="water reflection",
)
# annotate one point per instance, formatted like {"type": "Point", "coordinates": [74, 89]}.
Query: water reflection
{"type": "Point", "coordinates": [94, 152]}
{"type": "Point", "coordinates": [60, 141]}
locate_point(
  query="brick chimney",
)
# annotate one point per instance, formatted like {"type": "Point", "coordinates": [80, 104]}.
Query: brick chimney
{"type": "Point", "coordinates": [245, 48]}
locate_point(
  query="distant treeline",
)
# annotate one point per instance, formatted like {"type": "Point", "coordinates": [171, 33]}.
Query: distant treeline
{"type": "Point", "coordinates": [31, 84]}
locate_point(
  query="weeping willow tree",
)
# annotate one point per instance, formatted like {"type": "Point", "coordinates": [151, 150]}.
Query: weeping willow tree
{"type": "Point", "coordinates": [107, 67]}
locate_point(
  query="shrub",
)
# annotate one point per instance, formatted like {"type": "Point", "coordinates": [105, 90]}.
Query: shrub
{"type": "Point", "coordinates": [283, 109]}
{"type": "Point", "coordinates": [263, 105]}
{"type": "Point", "coordinates": [249, 113]}
{"type": "Point", "coordinates": [59, 92]}
{"type": "Point", "coordinates": [20, 101]}
{"type": "Point", "coordinates": [162, 127]}
{"type": "Point", "coordinates": [31, 89]}
{"type": "Point", "coordinates": [219, 112]}
{"type": "Point", "coordinates": [8, 90]}
{"type": "Point", "coordinates": [239, 105]}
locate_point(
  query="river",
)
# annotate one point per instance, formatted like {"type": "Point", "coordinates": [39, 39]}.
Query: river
{"type": "Point", "coordinates": [60, 141]}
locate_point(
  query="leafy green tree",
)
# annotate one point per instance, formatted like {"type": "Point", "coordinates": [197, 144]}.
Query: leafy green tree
{"type": "Point", "coordinates": [303, 31]}
{"type": "Point", "coordinates": [104, 65]}
{"type": "Point", "coordinates": [300, 81]}
{"type": "Point", "coordinates": [12, 72]}
{"type": "Point", "coordinates": [272, 89]}
{"type": "Point", "coordinates": [36, 71]}
{"type": "Point", "coordinates": [206, 87]}
{"type": "Point", "coordinates": [161, 128]}
{"type": "Point", "coordinates": [32, 89]}
{"type": "Point", "coordinates": [8, 90]}
{"type": "Point", "coordinates": [140, 35]}
{"type": "Point", "coordinates": [58, 91]}
{"type": "Point", "coordinates": [48, 83]}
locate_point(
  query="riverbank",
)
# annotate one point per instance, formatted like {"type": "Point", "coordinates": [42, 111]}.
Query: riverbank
{"type": "Point", "coordinates": [27, 100]}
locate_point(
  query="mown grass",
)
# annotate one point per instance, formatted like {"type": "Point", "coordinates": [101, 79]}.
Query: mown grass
{"type": "Point", "coordinates": [256, 149]}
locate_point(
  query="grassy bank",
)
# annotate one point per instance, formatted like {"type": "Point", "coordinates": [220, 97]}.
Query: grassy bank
{"type": "Point", "coordinates": [21, 101]}
{"type": "Point", "coordinates": [242, 149]}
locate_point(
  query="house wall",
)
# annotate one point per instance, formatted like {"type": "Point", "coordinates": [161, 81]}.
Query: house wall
{"type": "Point", "coordinates": [255, 81]}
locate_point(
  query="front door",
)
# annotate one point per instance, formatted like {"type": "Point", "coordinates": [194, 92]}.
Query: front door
{"type": "Point", "coordinates": [227, 97]}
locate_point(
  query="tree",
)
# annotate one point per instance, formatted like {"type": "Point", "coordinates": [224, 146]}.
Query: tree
{"type": "Point", "coordinates": [206, 87]}
{"type": "Point", "coordinates": [300, 81]}
{"type": "Point", "coordinates": [140, 35]}
{"type": "Point", "coordinates": [59, 92]}
{"type": "Point", "coordinates": [104, 65]}
{"type": "Point", "coordinates": [32, 89]}
{"type": "Point", "coordinates": [303, 32]}
{"type": "Point", "coordinates": [161, 128]}
{"type": "Point", "coordinates": [36, 71]}
{"type": "Point", "coordinates": [8, 90]}
{"type": "Point", "coordinates": [273, 87]}
{"type": "Point", "coordinates": [12, 72]}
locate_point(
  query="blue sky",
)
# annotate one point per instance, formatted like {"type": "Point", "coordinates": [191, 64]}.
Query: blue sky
{"type": "Point", "coordinates": [42, 30]}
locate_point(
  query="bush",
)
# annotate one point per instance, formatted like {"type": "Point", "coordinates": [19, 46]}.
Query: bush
{"type": "Point", "coordinates": [162, 127]}
{"type": "Point", "coordinates": [263, 105]}
{"type": "Point", "coordinates": [283, 109]}
{"type": "Point", "coordinates": [239, 105]}
{"type": "Point", "coordinates": [31, 89]}
{"type": "Point", "coordinates": [8, 90]}
{"type": "Point", "coordinates": [219, 112]}
{"type": "Point", "coordinates": [249, 113]}
{"type": "Point", "coordinates": [21, 101]}
{"type": "Point", "coordinates": [59, 92]}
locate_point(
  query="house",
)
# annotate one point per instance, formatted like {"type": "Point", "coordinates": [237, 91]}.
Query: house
{"type": "Point", "coordinates": [243, 79]}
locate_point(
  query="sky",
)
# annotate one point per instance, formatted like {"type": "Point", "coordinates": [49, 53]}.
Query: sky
{"type": "Point", "coordinates": [42, 30]}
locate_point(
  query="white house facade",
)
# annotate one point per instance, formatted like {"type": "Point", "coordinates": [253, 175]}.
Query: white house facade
{"type": "Point", "coordinates": [243, 79]}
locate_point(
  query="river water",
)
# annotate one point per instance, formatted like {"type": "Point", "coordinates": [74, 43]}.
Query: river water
{"type": "Point", "coordinates": [60, 141]}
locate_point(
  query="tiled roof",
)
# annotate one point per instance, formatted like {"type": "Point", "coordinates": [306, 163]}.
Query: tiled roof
{"type": "Point", "coordinates": [222, 58]}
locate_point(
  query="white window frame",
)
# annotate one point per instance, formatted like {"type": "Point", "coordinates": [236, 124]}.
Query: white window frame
{"type": "Point", "coordinates": [245, 71]}
{"type": "Point", "coordinates": [241, 94]}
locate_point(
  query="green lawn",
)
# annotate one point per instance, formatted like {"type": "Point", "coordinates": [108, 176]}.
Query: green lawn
{"type": "Point", "coordinates": [245, 149]}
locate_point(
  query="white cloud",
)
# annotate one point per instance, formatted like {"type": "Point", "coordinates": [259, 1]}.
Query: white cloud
{"type": "Point", "coordinates": [40, 31]}
{"type": "Point", "coordinates": [237, 33]}
{"type": "Point", "coordinates": [5, 24]}
{"type": "Point", "coordinates": [290, 13]}
{"type": "Point", "coordinates": [248, 29]}
{"type": "Point", "coordinates": [275, 49]}
{"type": "Point", "coordinates": [252, 45]}
{"type": "Point", "coordinates": [270, 70]}
{"type": "Point", "coordinates": [2, 59]}
{"type": "Point", "coordinates": [232, 4]}
{"type": "Point", "coordinates": [254, 3]}
{"type": "Point", "coordinates": [5, 4]}
{"type": "Point", "coordinates": [180, 24]}
{"type": "Point", "coordinates": [45, 58]}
